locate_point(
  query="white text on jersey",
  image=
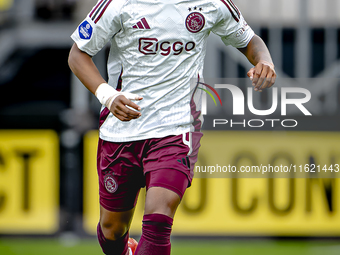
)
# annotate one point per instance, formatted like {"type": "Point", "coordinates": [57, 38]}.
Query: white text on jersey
{"type": "Point", "coordinates": [151, 46]}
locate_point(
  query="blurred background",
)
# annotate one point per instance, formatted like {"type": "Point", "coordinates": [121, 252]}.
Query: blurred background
{"type": "Point", "coordinates": [48, 183]}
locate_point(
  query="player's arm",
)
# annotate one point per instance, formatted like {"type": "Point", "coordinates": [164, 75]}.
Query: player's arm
{"type": "Point", "coordinates": [83, 67]}
{"type": "Point", "coordinates": [263, 74]}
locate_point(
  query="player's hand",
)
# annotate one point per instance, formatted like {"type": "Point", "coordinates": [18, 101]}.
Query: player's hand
{"type": "Point", "coordinates": [121, 111]}
{"type": "Point", "coordinates": [263, 75]}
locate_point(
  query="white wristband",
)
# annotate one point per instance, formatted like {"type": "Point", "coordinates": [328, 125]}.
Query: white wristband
{"type": "Point", "coordinates": [104, 93]}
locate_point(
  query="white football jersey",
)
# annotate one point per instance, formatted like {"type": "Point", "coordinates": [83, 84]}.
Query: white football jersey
{"type": "Point", "coordinates": [158, 50]}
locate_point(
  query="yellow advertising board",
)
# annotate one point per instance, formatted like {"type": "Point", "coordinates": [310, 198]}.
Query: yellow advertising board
{"type": "Point", "coordinates": [29, 182]}
{"type": "Point", "coordinates": [244, 206]}
{"type": "Point", "coordinates": [5, 5]}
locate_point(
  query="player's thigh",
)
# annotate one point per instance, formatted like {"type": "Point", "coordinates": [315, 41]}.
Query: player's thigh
{"type": "Point", "coordinates": [115, 224]}
{"type": "Point", "coordinates": [118, 197]}
{"type": "Point", "coordinates": [165, 189]}
{"type": "Point", "coordinates": [178, 153]}
{"type": "Point", "coordinates": [120, 180]}
{"type": "Point", "coordinates": [162, 201]}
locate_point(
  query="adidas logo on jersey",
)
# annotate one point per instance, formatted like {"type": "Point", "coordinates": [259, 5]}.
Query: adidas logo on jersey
{"type": "Point", "coordinates": [184, 161]}
{"type": "Point", "coordinates": [142, 24]}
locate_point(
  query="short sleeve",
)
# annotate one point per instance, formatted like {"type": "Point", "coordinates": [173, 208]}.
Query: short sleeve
{"type": "Point", "coordinates": [100, 25]}
{"type": "Point", "coordinates": [231, 26]}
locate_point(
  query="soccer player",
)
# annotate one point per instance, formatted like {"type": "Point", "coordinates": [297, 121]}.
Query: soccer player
{"type": "Point", "coordinates": [150, 120]}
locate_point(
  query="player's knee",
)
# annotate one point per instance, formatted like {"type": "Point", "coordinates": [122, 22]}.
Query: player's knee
{"type": "Point", "coordinates": [113, 231]}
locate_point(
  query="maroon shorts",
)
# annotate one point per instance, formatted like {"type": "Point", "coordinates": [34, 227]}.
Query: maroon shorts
{"type": "Point", "coordinates": [124, 168]}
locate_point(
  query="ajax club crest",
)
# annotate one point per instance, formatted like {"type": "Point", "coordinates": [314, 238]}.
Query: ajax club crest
{"type": "Point", "coordinates": [110, 183]}
{"type": "Point", "coordinates": [195, 22]}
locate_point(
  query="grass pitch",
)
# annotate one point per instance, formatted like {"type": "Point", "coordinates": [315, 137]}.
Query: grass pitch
{"type": "Point", "coordinates": [71, 246]}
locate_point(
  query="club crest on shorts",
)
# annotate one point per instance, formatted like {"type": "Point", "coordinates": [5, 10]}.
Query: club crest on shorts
{"type": "Point", "coordinates": [110, 183]}
{"type": "Point", "coordinates": [195, 22]}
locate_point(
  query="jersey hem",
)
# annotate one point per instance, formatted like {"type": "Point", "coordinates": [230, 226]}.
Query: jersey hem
{"type": "Point", "coordinates": [140, 137]}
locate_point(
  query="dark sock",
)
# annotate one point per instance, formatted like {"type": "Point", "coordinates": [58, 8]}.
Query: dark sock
{"type": "Point", "coordinates": [155, 238]}
{"type": "Point", "coordinates": [109, 247]}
